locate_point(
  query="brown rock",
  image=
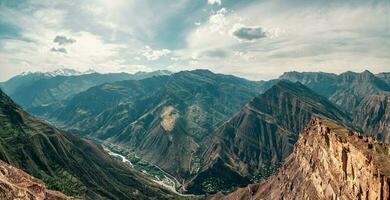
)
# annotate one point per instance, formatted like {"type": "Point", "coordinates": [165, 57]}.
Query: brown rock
{"type": "Point", "coordinates": [15, 184]}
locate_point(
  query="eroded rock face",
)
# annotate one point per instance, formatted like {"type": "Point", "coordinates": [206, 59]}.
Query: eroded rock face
{"type": "Point", "coordinates": [328, 162]}
{"type": "Point", "coordinates": [169, 117]}
{"type": "Point", "coordinates": [16, 184]}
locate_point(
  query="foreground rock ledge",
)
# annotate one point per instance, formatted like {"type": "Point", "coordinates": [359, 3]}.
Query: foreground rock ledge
{"type": "Point", "coordinates": [328, 162]}
{"type": "Point", "coordinates": [16, 184]}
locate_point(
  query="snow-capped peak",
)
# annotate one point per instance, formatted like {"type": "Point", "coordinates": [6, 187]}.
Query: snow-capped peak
{"type": "Point", "coordinates": [69, 72]}
{"type": "Point", "coordinates": [61, 72]}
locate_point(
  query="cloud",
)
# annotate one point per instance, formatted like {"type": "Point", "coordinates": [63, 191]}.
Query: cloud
{"type": "Point", "coordinates": [135, 68]}
{"type": "Point", "coordinates": [151, 54]}
{"type": "Point", "coordinates": [246, 33]}
{"type": "Point", "coordinates": [59, 50]}
{"type": "Point", "coordinates": [216, 53]}
{"type": "Point", "coordinates": [213, 33]}
{"type": "Point", "coordinates": [212, 2]}
{"type": "Point", "coordinates": [218, 20]}
{"type": "Point", "coordinates": [244, 55]}
{"type": "Point", "coordinates": [63, 40]}
{"type": "Point", "coordinates": [301, 35]}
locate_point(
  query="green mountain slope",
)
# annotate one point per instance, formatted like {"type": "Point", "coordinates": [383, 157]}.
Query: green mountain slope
{"type": "Point", "coordinates": [75, 166]}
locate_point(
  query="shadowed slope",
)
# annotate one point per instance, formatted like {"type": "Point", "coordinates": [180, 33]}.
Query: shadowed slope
{"type": "Point", "coordinates": [255, 140]}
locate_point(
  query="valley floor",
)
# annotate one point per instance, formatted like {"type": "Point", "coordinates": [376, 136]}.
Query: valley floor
{"type": "Point", "coordinates": [155, 173]}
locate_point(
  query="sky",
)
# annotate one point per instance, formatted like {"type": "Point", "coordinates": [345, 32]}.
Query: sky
{"type": "Point", "coordinates": [255, 39]}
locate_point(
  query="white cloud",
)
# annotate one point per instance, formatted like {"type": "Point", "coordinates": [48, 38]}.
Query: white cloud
{"type": "Point", "coordinates": [218, 20]}
{"type": "Point", "coordinates": [89, 51]}
{"type": "Point", "coordinates": [151, 54]}
{"type": "Point", "coordinates": [134, 68]}
{"type": "Point", "coordinates": [304, 35]}
{"type": "Point", "coordinates": [50, 16]}
{"type": "Point", "coordinates": [331, 38]}
{"type": "Point", "coordinates": [211, 2]}
{"type": "Point", "coordinates": [175, 58]}
{"type": "Point", "coordinates": [245, 55]}
{"type": "Point", "coordinates": [211, 33]}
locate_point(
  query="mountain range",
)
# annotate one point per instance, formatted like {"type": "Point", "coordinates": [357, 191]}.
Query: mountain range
{"type": "Point", "coordinates": [38, 89]}
{"type": "Point", "coordinates": [163, 119]}
{"type": "Point", "coordinates": [211, 132]}
{"type": "Point", "coordinates": [363, 95]}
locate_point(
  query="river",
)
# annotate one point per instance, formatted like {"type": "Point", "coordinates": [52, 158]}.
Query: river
{"type": "Point", "coordinates": [173, 181]}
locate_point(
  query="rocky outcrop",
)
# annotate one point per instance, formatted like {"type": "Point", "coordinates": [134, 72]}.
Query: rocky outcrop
{"type": "Point", "coordinates": [328, 162]}
{"type": "Point", "coordinates": [169, 117]}
{"type": "Point", "coordinates": [16, 184]}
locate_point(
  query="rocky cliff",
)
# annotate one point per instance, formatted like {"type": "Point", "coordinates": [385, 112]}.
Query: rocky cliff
{"type": "Point", "coordinates": [16, 184]}
{"type": "Point", "coordinates": [328, 162]}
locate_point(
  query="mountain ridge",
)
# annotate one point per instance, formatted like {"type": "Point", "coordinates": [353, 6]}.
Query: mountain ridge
{"type": "Point", "coordinates": [42, 89]}
{"type": "Point", "coordinates": [356, 93]}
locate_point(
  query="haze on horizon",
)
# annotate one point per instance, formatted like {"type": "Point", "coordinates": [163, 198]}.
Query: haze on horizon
{"type": "Point", "coordinates": [248, 38]}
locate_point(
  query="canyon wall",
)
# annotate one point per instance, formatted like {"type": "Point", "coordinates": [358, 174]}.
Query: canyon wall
{"type": "Point", "coordinates": [328, 162]}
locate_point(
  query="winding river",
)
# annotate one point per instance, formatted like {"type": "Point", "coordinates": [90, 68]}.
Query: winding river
{"type": "Point", "coordinates": [171, 187]}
